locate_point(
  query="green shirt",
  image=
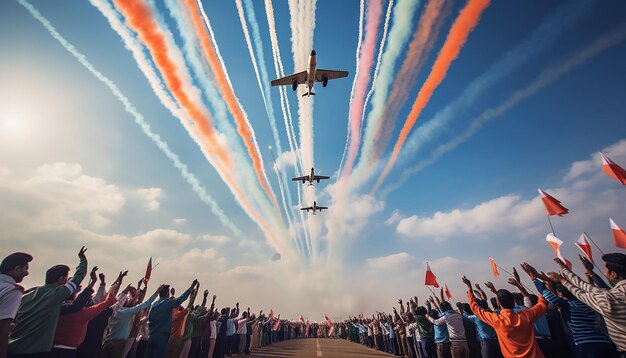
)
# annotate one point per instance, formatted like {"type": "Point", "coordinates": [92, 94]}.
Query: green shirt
{"type": "Point", "coordinates": [190, 326]}
{"type": "Point", "coordinates": [37, 317]}
{"type": "Point", "coordinates": [197, 323]}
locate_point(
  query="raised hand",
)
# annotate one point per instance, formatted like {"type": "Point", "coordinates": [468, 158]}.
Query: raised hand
{"type": "Point", "coordinates": [491, 287]}
{"type": "Point", "coordinates": [530, 271]}
{"type": "Point", "coordinates": [560, 263]}
{"type": "Point", "coordinates": [555, 277]}
{"type": "Point", "coordinates": [82, 251]}
{"type": "Point", "coordinates": [102, 277]}
{"type": "Point", "coordinates": [92, 275]}
{"type": "Point", "coordinates": [588, 265]}
{"type": "Point", "coordinates": [512, 281]}
{"type": "Point", "coordinates": [516, 275]}
{"type": "Point", "coordinates": [467, 283]}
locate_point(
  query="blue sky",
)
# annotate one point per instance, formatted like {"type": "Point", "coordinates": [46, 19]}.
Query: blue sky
{"type": "Point", "coordinates": [53, 110]}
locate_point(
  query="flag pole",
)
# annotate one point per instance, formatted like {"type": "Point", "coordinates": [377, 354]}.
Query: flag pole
{"type": "Point", "coordinates": [551, 227]}
{"type": "Point", "coordinates": [511, 275]}
{"type": "Point", "coordinates": [596, 245]}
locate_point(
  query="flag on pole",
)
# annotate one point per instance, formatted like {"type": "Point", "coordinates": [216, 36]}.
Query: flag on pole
{"type": "Point", "coordinates": [271, 315]}
{"type": "Point", "coordinates": [276, 325]}
{"type": "Point", "coordinates": [553, 206]}
{"type": "Point", "coordinates": [619, 235]}
{"type": "Point", "coordinates": [326, 319]}
{"type": "Point", "coordinates": [613, 170]}
{"type": "Point", "coordinates": [148, 270]}
{"type": "Point", "coordinates": [584, 246]}
{"type": "Point", "coordinates": [447, 291]}
{"type": "Point", "coordinates": [494, 268]}
{"type": "Point", "coordinates": [301, 319]}
{"type": "Point", "coordinates": [430, 279]}
{"type": "Point", "coordinates": [556, 243]}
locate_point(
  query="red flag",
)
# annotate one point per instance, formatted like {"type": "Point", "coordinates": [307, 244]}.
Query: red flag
{"type": "Point", "coordinates": [148, 270]}
{"type": "Point", "coordinates": [619, 235]}
{"type": "Point", "coordinates": [553, 206]}
{"type": "Point", "coordinates": [613, 170]}
{"type": "Point", "coordinates": [494, 268]}
{"type": "Point", "coordinates": [556, 243]}
{"type": "Point", "coordinates": [447, 291]}
{"type": "Point", "coordinates": [584, 246]}
{"type": "Point", "coordinates": [430, 279]}
{"type": "Point", "coordinates": [276, 325]}
{"type": "Point", "coordinates": [326, 319]}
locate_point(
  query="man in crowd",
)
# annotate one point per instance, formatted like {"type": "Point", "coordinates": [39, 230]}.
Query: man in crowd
{"type": "Point", "coordinates": [13, 269]}
{"type": "Point", "coordinates": [37, 316]}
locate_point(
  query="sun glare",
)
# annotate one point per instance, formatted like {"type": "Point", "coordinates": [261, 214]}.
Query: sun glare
{"type": "Point", "coordinates": [11, 125]}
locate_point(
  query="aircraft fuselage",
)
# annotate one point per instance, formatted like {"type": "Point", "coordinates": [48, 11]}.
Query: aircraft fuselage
{"type": "Point", "coordinates": [310, 71]}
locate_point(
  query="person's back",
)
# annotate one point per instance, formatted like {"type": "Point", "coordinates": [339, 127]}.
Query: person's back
{"type": "Point", "coordinates": [38, 314]}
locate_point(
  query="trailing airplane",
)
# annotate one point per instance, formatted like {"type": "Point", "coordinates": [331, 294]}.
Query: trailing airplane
{"type": "Point", "coordinates": [310, 76]}
{"type": "Point", "coordinates": [314, 208]}
{"type": "Point", "coordinates": [310, 178]}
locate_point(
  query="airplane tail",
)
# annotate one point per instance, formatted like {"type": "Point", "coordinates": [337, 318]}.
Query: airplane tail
{"type": "Point", "coordinates": [308, 94]}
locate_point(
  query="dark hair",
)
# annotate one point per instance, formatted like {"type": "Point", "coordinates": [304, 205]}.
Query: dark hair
{"type": "Point", "coordinates": [445, 305]}
{"type": "Point", "coordinates": [616, 262]}
{"type": "Point", "coordinates": [421, 311]}
{"type": "Point", "coordinates": [55, 272]}
{"type": "Point", "coordinates": [533, 299]}
{"type": "Point", "coordinates": [165, 291]}
{"type": "Point", "coordinates": [434, 314]}
{"type": "Point", "coordinates": [494, 302]}
{"type": "Point", "coordinates": [563, 291]}
{"type": "Point", "coordinates": [14, 260]}
{"type": "Point", "coordinates": [467, 309]}
{"type": "Point", "coordinates": [505, 298]}
{"type": "Point", "coordinates": [483, 304]}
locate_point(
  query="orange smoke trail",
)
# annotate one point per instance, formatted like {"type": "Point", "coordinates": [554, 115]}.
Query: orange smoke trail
{"type": "Point", "coordinates": [228, 94]}
{"type": "Point", "coordinates": [423, 41]}
{"type": "Point", "coordinates": [140, 19]}
{"type": "Point", "coordinates": [463, 25]}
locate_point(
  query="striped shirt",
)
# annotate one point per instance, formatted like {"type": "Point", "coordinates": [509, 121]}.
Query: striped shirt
{"type": "Point", "coordinates": [579, 317]}
{"type": "Point", "coordinates": [611, 304]}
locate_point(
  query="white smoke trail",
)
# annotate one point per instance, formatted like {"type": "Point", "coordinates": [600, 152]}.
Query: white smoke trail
{"type": "Point", "coordinates": [139, 119]}
{"type": "Point", "coordinates": [544, 79]}
{"type": "Point", "coordinates": [356, 72]}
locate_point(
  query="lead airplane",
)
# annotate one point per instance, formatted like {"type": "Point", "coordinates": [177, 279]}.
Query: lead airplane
{"type": "Point", "coordinates": [314, 208]}
{"type": "Point", "coordinates": [310, 76]}
{"type": "Point", "coordinates": [310, 178]}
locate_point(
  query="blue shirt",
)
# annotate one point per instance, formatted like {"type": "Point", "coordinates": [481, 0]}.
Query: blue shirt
{"type": "Point", "coordinates": [392, 334]}
{"type": "Point", "coordinates": [119, 323]}
{"type": "Point", "coordinates": [485, 331]}
{"type": "Point", "coordinates": [230, 327]}
{"type": "Point", "coordinates": [441, 334]}
{"type": "Point", "coordinates": [160, 319]}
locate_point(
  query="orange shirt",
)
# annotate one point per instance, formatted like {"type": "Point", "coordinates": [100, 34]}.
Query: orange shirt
{"type": "Point", "coordinates": [515, 330]}
{"type": "Point", "coordinates": [178, 321]}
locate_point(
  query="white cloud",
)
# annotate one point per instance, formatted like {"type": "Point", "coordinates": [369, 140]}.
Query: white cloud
{"type": "Point", "coordinates": [161, 238]}
{"type": "Point", "coordinates": [616, 152]}
{"type": "Point", "coordinates": [394, 218]}
{"type": "Point", "coordinates": [217, 239]}
{"type": "Point", "coordinates": [150, 197]}
{"type": "Point", "coordinates": [398, 260]}
{"type": "Point", "coordinates": [179, 221]}
{"type": "Point", "coordinates": [286, 160]}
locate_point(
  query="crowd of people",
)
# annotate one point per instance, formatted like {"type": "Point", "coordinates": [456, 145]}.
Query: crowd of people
{"type": "Point", "coordinates": [569, 317]}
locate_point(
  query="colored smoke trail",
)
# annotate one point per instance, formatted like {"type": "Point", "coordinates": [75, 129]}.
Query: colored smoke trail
{"type": "Point", "coordinates": [542, 38]}
{"type": "Point", "coordinates": [139, 17]}
{"type": "Point", "coordinates": [139, 119]}
{"type": "Point", "coordinates": [424, 38]}
{"type": "Point", "coordinates": [362, 80]}
{"type": "Point", "coordinates": [223, 83]}
{"type": "Point", "coordinates": [356, 72]}
{"type": "Point", "coordinates": [463, 25]}
{"type": "Point", "coordinates": [544, 79]}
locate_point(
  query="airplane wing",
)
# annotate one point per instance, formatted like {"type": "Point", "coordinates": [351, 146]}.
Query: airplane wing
{"type": "Point", "coordinates": [319, 177]}
{"type": "Point", "coordinates": [299, 178]}
{"type": "Point", "coordinates": [307, 209]}
{"type": "Point", "coordinates": [288, 80]}
{"type": "Point", "coordinates": [331, 74]}
{"type": "Point", "coordinates": [320, 208]}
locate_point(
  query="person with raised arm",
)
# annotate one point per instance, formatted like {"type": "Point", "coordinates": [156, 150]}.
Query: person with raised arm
{"type": "Point", "coordinates": [13, 269]}
{"type": "Point", "coordinates": [610, 303]}
{"type": "Point", "coordinates": [160, 320]}
{"type": "Point", "coordinates": [453, 321]}
{"type": "Point", "coordinates": [38, 314]}
{"type": "Point", "coordinates": [515, 330]}
{"type": "Point", "coordinates": [188, 325]}
{"type": "Point", "coordinates": [72, 328]}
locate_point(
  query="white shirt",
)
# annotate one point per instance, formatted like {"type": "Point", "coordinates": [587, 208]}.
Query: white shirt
{"type": "Point", "coordinates": [10, 297]}
{"type": "Point", "coordinates": [213, 329]}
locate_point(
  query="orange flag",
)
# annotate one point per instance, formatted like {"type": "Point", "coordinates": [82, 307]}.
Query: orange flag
{"type": "Point", "coordinates": [613, 170]}
{"type": "Point", "coordinates": [556, 243]}
{"type": "Point", "coordinates": [447, 291]}
{"type": "Point", "coordinates": [619, 235]}
{"type": "Point", "coordinates": [494, 268]}
{"type": "Point", "coordinates": [584, 246]}
{"type": "Point", "coordinates": [430, 279]}
{"type": "Point", "coordinates": [553, 206]}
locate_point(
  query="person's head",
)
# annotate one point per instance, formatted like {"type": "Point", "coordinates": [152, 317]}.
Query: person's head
{"type": "Point", "coordinates": [505, 299]}
{"type": "Point", "coordinates": [533, 299]}
{"type": "Point", "coordinates": [223, 311]}
{"type": "Point", "coordinates": [164, 292]}
{"type": "Point", "coordinates": [434, 314]}
{"type": "Point", "coordinates": [244, 315]}
{"type": "Point", "coordinates": [518, 298]}
{"type": "Point", "coordinates": [563, 292]}
{"type": "Point", "coordinates": [446, 306]}
{"type": "Point", "coordinates": [615, 266]}
{"type": "Point", "coordinates": [57, 275]}
{"type": "Point", "coordinates": [467, 309]}
{"type": "Point", "coordinates": [16, 265]}
{"type": "Point", "coordinates": [494, 303]}
{"type": "Point", "coordinates": [483, 304]}
{"type": "Point", "coordinates": [421, 311]}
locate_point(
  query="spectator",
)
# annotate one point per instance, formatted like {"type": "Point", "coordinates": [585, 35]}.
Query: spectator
{"type": "Point", "coordinates": [13, 269]}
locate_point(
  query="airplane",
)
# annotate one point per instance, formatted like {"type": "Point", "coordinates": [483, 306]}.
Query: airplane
{"type": "Point", "coordinates": [314, 208]}
{"type": "Point", "coordinates": [310, 178]}
{"type": "Point", "coordinates": [310, 76]}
